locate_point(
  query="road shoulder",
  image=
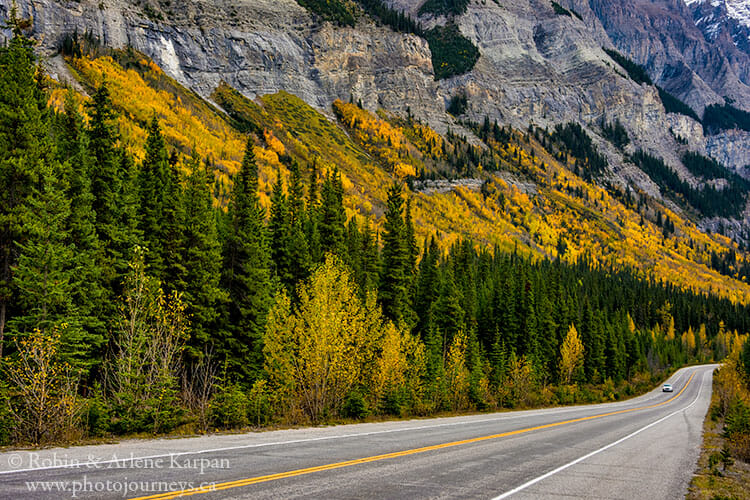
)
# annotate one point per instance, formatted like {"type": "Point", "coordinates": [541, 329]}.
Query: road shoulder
{"type": "Point", "coordinates": [715, 479]}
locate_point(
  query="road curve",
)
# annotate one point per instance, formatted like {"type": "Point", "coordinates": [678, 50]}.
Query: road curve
{"type": "Point", "coordinates": [646, 447]}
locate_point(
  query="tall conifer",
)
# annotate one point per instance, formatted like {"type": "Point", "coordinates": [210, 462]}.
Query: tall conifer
{"type": "Point", "coordinates": [394, 280]}
{"type": "Point", "coordinates": [201, 259]}
{"type": "Point", "coordinates": [24, 145]}
{"type": "Point", "coordinates": [332, 215]}
{"type": "Point", "coordinates": [247, 274]}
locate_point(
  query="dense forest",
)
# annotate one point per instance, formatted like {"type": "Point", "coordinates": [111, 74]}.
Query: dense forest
{"type": "Point", "coordinates": [130, 301]}
{"type": "Point", "coordinates": [718, 117]}
{"type": "Point", "coordinates": [727, 202]}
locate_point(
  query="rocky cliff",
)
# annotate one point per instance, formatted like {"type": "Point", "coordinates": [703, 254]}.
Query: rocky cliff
{"type": "Point", "coordinates": [536, 65]}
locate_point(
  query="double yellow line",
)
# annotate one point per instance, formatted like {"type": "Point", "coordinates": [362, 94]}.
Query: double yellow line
{"type": "Point", "coordinates": [300, 472]}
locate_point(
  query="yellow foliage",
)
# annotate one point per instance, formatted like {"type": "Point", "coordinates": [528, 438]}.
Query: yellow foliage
{"type": "Point", "coordinates": [571, 355]}
{"type": "Point", "coordinates": [399, 366]}
{"type": "Point", "coordinates": [457, 373]}
{"type": "Point", "coordinates": [316, 353]}
{"type": "Point", "coordinates": [403, 170]}
{"type": "Point", "coordinates": [559, 205]}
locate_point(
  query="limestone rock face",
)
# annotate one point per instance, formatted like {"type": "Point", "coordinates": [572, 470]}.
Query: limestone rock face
{"type": "Point", "coordinates": [731, 148]}
{"type": "Point", "coordinates": [662, 36]}
{"type": "Point", "coordinates": [258, 47]}
{"type": "Point", "coordinates": [536, 66]}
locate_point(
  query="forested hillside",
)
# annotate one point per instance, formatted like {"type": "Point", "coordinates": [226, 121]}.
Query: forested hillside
{"type": "Point", "coordinates": [170, 266]}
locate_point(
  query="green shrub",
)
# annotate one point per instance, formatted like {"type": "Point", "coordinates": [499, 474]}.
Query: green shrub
{"type": "Point", "coordinates": [737, 420]}
{"type": "Point", "coordinates": [355, 406]}
{"type": "Point", "coordinates": [396, 402]}
{"type": "Point", "coordinates": [259, 404]}
{"type": "Point", "coordinates": [6, 420]}
{"type": "Point", "coordinates": [229, 407]}
{"type": "Point", "coordinates": [98, 416]}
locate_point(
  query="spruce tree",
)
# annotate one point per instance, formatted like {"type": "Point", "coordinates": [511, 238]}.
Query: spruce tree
{"type": "Point", "coordinates": [154, 184]}
{"type": "Point", "coordinates": [369, 259]}
{"type": "Point", "coordinates": [247, 274]}
{"type": "Point", "coordinates": [280, 233]}
{"type": "Point", "coordinates": [507, 305]}
{"type": "Point", "coordinates": [171, 230]}
{"type": "Point", "coordinates": [353, 253]}
{"type": "Point", "coordinates": [45, 276]}
{"type": "Point", "coordinates": [412, 249]}
{"type": "Point", "coordinates": [201, 260]}
{"type": "Point", "coordinates": [447, 314]}
{"type": "Point", "coordinates": [299, 247]}
{"type": "Point", "coordinates": [332, 217]}
{"type": "Point", "coordinates": [89, 294]}
{"type": "Point", "coordinates": [529, 340]}
{"type": "Point", "coordinates": [428, 281]}
{"type": "Point", "coordinates": [394, 280]}
{"type": "Point", "coordinates": [24, 146]}
{"type": "Point", "coordinates": [114, 196]}
{"type": "Point", "coordinates": [105, 178]}
{"type": "Point", "coordinates": [312, 218]}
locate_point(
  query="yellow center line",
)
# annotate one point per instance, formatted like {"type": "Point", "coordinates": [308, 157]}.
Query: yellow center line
{"type": "Point", "coordinates": [299, 472]}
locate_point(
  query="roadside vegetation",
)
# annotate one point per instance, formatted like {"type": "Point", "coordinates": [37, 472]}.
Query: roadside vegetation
{"type": "Point", "coordinates": [724, 465]}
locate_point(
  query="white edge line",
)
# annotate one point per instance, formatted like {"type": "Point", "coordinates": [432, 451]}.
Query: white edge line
{"type": "Point", "coordinates": [604, 448]}
{"type": "Point", "coordinates": [73, 464]}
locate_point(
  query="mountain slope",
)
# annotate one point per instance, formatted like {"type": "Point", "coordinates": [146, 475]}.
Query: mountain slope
{"type": "Point", "coordinates": [539, 64]}
{"type": "Point", "coordinates": [523, 195]}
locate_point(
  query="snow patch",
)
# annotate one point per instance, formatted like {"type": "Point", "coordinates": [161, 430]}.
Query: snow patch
{"type": "Point", "coordinates": [739, 10]}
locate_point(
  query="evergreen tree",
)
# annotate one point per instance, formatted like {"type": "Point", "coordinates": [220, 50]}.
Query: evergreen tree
{"type": "Point", "coordinates": [88, 296]}
{"type": "Point", "coordinates": [498, 359]}
{"type": "Point", "coordinates": [332, 218]}
{"type": "Point", "coordinates": [154, 183]}
{"type": "Point", "coordinates": [447, 314]}
{"type": "Point", "coordinates": [247, 274]}
{"type": "Point", "coordinates": [394, 280]}
{"type": "Point", "coordinates": [114, 196]}
{"type": "Point", "coordinates": [171, 231]}
{"type": "Point", "coordinates": [354, 251]}
{"type": "Point", "coordinates": [427, 286]}
{"type": "Point", "coordinates": [24, 146]}
{"type": "Point", "coordinates": [370, 256]}
{"type": "Point", "coordinates": [45, 278]}
{"type": "Point", "coordinates": [201, 260]}
{"type": "Point", "coordinates": [280, 233]}
{"type": "Point", "coordinates": [508, 307]}
{"type": "Point", "coordinates": [412, 249]}
{"type": "Point", "coordinates": [529, 340]}
{"type": "Point", "coordinates": [299, 248]}
{"type": "Point", "coordinates": [105, 178]}
{"type": "Point", "coordinates": [312, 219]}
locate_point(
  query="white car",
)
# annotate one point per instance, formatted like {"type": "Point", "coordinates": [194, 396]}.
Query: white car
{"type": "Point", "coordinates": [667, 388]}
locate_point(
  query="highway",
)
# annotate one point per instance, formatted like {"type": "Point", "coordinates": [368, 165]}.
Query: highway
{"type": "Point", "coordinates": [646, 447]}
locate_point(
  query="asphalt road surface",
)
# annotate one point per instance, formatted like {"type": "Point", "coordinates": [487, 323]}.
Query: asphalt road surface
{"type": "Point", "coordinates": [646, 448]}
